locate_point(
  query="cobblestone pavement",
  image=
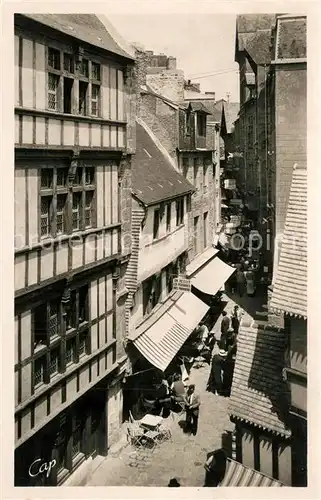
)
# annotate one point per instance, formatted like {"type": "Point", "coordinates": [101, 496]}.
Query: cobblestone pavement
{"type": "Point", "coordinates": [183, 457]}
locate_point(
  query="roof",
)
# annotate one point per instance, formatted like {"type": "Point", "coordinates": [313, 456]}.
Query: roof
{"type": "Point", "coordinates": [95, 30]}
{"type": "Point", "coordinates": [208, 104]}
{"type": "Point", "coordinates": [238, 474]}
{"type": "Point", "coordinates": [258, 46]}
{"type": "Point", "coordinates": [154, 178]}
{"type": "Point", "coordinates": [259, 394]}
{"type": "Point", "coordinates": [290, 284]}
{"type": "Point", "coordinates": [250, 23]}
{"type": "Point", "coordinates": [231, 110]}
{"type": "Point", "coordinates": [291, 38]}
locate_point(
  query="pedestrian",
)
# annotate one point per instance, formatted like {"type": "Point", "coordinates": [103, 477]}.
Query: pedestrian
{"type": "Point", "coordinates": [178, 393]}
{"type": "Point", "coordinates": [240, 282]}
{"type": "Point", "coordinates": [215, 381]}
{"type": "Point", "coordinates": [225, 323]}
{"type": "Point", "coordinates": [193, 403]}
{"type": "Point", "coordinates": [173, 483]}
{"type": "Point", "coordinates": [235, 319]}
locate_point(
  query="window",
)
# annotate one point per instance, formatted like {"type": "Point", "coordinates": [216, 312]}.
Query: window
{"type": "Point", "coordinates": [89, 175]}
{"type": "Point", "coordinates": [95, 71]}
{"type": "Point", "coordinates": [62, 177]}
{"type": "Point", "coordinates": [53, 323]}
{"type": "Point", "coordinates": [71, 351]}
{"type": "Point", "coordinates": [168, 217]}
{"type": "Point", "coordinates": [68, 86]}
{"type": "Point", "coordinates": [83, 343]}
{"type": "Point", "coordinates": [180, 212]}
{"type": "Point", "coordinates": [88, 208]}
{"type": "Point", "coordinates": [54, 59]}
{"type": "Point", "coordinates": [95, 91]}
{"type": "Point", "coordinates": [46, 178]}
{"type": "Point", "coordinates": [76, 211]}
{"type": "Point", "coordinates": [201, 124]}
{"type": "Point", "coordinates": [68, 63]}
{"type": "Point", "coordinates": [50, 320]}
{"type": "Point", "coordinates": [61, 79]}
{"type": "Point", "coordinates": [53, 85]}
{"type": "Point", "coordinates": [45, 222]}
{"type": "Point", "coordinates": [156, 224]}
{"type": "Point", "coordinates": [39, 370]}
{"type": "Point", "coordinates": [152, 290]}
{"type": "Point", "coordinates": [61, 444]}
{"type": "Point", "coordinates": [77, 435]}
{"type": "Point", "coordinates": [61, 214]}
{"type": "Point", "coordinates": [54, 362]}
{"type": "Point", "coordinates": [84, 68]}
{"type": "Point", "coordinates": [205, 228]}
{"type": "Point", "coordinates": [169, 279]}
{"type": "Point", "coordinates": [83, 92]}
{"type": "Point", "coordinates": [61, 203]}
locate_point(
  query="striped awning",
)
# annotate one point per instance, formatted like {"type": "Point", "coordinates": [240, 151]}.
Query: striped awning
{"type": "Point", "coordinates": [240, 475]}
{"type": "Point", "coordinates": [164, 337]}
{"type": "Point", "coordinates": [212, 276]}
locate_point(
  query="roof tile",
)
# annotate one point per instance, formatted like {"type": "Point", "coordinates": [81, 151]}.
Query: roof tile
{"type": "Point", "coordinates": [259, 394]}
{"type": "Point", "coordinates": [290, 285]}
{"type": "Point", "coordinates": [154, 179]}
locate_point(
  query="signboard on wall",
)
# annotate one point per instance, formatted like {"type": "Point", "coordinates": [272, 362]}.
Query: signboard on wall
{"type": "Point", "coordinates": [182, 284]}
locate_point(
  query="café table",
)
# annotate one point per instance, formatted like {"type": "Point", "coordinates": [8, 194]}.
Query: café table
{"type": "Point", "coordinates": [151, 422]}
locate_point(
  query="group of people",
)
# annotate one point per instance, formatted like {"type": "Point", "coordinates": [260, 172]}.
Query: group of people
{"type": "Point", "coordinates": [222, 366]}
{"type": "Point", "coordinates": [244, 279]}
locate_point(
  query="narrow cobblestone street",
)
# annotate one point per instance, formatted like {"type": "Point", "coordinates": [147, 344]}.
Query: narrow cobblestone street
{"type": "Point", "coordinates": [183, 457]}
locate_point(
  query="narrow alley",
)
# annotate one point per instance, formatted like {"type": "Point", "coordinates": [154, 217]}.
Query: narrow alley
{"type": "Point", "coordinates": [184, 456]}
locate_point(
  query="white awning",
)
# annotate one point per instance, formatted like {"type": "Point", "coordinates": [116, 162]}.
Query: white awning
{"type": "Point", "coordinates": [161, 340]}
{"type": "Point", "coordinates": [238, 474]}
{"type": "Point", "coordinates": [212, 276]}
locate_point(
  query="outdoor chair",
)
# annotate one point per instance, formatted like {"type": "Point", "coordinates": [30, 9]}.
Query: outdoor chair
{"type": "Point", "coordinates": [135, 436]}
{"type": "Point", "coordinates": [164, 434]}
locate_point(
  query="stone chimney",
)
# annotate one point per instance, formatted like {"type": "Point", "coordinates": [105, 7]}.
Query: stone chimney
{"type": "Point", "coordinates": [171, 62]}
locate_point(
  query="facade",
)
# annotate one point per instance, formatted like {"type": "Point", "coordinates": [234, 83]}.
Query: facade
{"type": "Point", "coordinates": [259, 402]}
{"type": "Point", "coordinates": [289, 299]}
{"type": "Point", "coordinates": [73, 145]}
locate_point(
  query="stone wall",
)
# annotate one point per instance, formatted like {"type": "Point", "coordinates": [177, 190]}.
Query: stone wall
{"type": "Point", "coordinates": [169, 83]}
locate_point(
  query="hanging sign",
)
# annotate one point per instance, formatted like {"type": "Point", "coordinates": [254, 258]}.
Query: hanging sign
{"type": "Point", "coordinates": [182, 284]}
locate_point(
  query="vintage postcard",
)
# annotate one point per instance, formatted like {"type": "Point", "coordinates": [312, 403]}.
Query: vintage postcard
{"type": "Point", "coordinates": [159, 213]}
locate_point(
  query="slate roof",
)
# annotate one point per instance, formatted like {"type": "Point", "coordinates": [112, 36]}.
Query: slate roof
{"type": "Point", "coordinates": [258, 46]}
{"type": "Point", "coordinates": [85, 27]}
{"type": "Point", "coordinates": [231, 110]}
{"type": "Point", "coordinates": [209, 105]}
{"type": "Point", "coordinates": [154, 179]}
{"type": "Point", "coordinates": [290, 285]}
{"type": "Point", "coordinates": [259, 394]}
{"type": "Point", "coordinates": [292, 38]}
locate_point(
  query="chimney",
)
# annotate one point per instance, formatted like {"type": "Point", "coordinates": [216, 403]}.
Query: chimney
{"type": "Point", "coordinates": [171, 62]}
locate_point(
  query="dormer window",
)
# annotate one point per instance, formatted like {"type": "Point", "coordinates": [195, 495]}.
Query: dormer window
{"type": "Point", "coordinates": [188, 118]}
{"type": "Point", "coordinates": [201, 124]}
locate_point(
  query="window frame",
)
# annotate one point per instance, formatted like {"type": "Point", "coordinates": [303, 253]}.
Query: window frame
{"type": "Point", "coordinates": [201, 124]}
{"type": "Point", "coordinates": [156, 223]}
{"type": "Point", "coordinates": [180, 212]}
{"type": "Point", "coordinates": [168, 217]}
{"type": "Point", "coordinates": [65, 335]}
{"type": "Point", "coordinates": [91, 77]}
{"type": "Point", "coordinates": [70, 190]}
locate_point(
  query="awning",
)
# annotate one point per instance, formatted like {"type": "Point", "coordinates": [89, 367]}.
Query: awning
{"type": "Point", "coordinates": [239, 475]}
{"type": "Point", "coordinates": [212, 276]}
{"type": "Point", "coordinates": [161, 341]}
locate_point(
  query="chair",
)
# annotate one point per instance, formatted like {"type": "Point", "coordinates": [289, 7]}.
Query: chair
{"type": "Point", "coordinates": [135, 436]}
{"type": "Point", "coordinates": [164, 434]}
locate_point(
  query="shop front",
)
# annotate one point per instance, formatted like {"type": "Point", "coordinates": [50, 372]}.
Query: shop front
{"type": "Point", "coordinates": [72, 437]}
{"type": "Point", "coordinates": [158, 350]}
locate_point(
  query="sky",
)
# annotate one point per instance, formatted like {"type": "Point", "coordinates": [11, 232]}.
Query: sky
{"type": "Point", "coordinates": [202, 43]}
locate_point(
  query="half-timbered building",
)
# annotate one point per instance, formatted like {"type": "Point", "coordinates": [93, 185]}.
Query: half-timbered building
{"type": "Point", "coordinates": [73, 143]}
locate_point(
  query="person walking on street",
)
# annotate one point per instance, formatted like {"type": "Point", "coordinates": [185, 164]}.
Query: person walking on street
{"type": "Point", "coordinates": [235, 319]}
{"type": "Point", "coordinates": [215, 381]}
{"type": "Point", "coordinates": [193, 403]}
{"type": "Point", "coordinates": [225, 323]}
{"type": "Point", "coordinates": [240, 282]}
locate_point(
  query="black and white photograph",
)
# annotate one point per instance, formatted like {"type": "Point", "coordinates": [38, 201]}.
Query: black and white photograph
{"type": "Point", "coordinates": [160, 249]}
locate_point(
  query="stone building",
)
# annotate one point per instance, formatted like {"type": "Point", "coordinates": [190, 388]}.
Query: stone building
{"type": "Point", "coordinates": [74, 138]}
